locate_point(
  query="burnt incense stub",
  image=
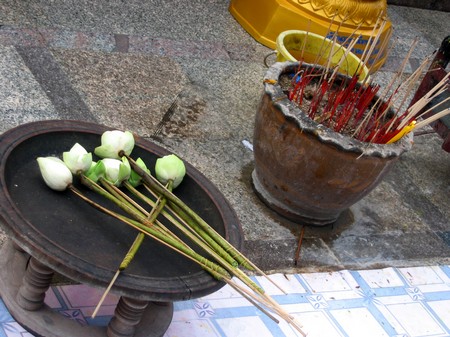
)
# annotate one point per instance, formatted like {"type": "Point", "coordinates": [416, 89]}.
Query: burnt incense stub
{"type": "Point", "coordinates": [305, 171]}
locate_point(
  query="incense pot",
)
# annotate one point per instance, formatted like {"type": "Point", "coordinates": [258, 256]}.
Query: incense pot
{"type": "Point", "coordinates": [305, 171]}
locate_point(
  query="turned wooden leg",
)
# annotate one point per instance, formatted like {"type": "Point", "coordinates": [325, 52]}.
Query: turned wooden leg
{"type": "Point", "coordinates": [127, 316]}
{"type": "Point", "coordinates": [35, 283]}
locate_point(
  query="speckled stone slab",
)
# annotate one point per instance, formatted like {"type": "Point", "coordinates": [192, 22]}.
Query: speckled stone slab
{"type": "Point", "coordinates": [189, 77]}
{"type": "Point", "coordinates": [22, 98]}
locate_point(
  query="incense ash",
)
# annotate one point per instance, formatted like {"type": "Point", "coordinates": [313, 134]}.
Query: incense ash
{"type": "Point", "coordinates": [359, 110]}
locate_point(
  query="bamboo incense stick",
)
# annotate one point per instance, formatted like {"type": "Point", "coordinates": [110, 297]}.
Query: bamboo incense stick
{"type": "Point", "coordinates": [432, 118]}
{"type": "Point", "coordinates": [299, 246]}
{"type": "Point", "coordinates": [331, 54]}
{"type": "Point", "coordinates": [369, 41]}
{"type": "Point", "coordinates": [383, 50]}
{"type": "Point", "coordinates": [382, 97]}
{"type": "Point", "coordinates": [409, 83]}
{"type": "Point", "coordinates": [434, 107]}
{"type": "Point", "coordinates": [375, 41]}
{"type": "Point", "coordinates": [375, 119]}
{"type": "Point", "coordinates": [304, 42]}
{"type": "Point", "coordinates": [344, 57]}
{"type": "Point", "coordinates": [320, 53]}
{"type": "Point", "coordinates": [439, 88]}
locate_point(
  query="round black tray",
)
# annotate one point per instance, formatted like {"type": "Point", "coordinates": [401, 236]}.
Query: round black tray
{"type": "Point", "coordinates": [85, 245]}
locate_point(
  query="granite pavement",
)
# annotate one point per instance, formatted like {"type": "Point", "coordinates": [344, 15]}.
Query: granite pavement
{"type": "Point", "coordinates": [188, 77]}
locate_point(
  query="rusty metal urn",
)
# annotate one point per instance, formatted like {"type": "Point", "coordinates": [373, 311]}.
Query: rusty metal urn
{"type": "Point", "coordinates": [305, 171]}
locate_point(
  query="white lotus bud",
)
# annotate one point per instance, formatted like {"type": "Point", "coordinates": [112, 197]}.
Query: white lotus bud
{"type": "Point", "coordinates": [117, 171]}
{"type": "Point", "coordinates": [135, 179]}
{"type": "Point", "coordinates": [78, 160]}
{"type": "Point", "coordinates": [114, 142]}
{"type": "Point", "coordinates": [170, 167]}
{"type": "Point", "coordinates": [56, 174]}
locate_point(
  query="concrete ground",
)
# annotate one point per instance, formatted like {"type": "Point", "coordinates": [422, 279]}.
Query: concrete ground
{"type": "Point", "coordinates": [187, 76]}
{"type": "Point", "coordinates": [433, 4]}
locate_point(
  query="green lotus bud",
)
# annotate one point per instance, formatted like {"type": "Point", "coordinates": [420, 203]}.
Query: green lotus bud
{"type": "Point", "coordinates": [114, 142]}
{"type": "Point", "coordinates": [135, 179]}
{"type": "Point", "coordinates": [96, 171]}
{"type": "Point", "coordinates": [78, 160]}
{"type": "Point", "coordinates": [56, 174]}
{"type": "Point", "coordinates": [170, 168]}
{"type": "Point", "coordinates": [117, 171]}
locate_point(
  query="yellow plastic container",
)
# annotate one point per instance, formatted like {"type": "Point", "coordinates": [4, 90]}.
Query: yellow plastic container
{"type": "Point", "coordinates": [292, 45]}
{"type": "Point", "coordinates": [264, 20]}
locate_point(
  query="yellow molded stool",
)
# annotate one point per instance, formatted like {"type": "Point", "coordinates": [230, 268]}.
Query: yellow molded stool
{"type": "Point", "coordinates": [292, 45]}
{"type": "Point", "coordinates": [266, 19]}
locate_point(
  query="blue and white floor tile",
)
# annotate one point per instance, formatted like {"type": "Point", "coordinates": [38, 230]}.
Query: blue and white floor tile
{"type": "Point", "coordinates": [391, 302]}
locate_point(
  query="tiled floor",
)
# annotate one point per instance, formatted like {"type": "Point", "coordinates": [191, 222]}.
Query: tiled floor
{"type": "Point", "coordinates": [403, 302]}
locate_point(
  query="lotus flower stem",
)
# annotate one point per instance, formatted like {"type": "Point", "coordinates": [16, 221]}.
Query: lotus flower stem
{"type": "Point", "coordinates": [158, 236]}
{"type": "Point", "coordinates": [186, 220]}
{"type": "Point", "coordinates": [160, 203]}
{"type": "Point", "coordinates": [136, 243]}
{"type": "Point", "coordinates": [141, 222]}
{"type": "Point", "coordinates": [199, 240]}
{"type": "Point", "coordinates": [190, 217]}
{"type": "Point", "coordinates": [107, 195]}
{"type": "Point", "coordinates": [127, 204]}
{"type": "Point", "coordinates": [160, 189]}
{"type": "Point", "coordinates": [105, 293]}
{"type": "Point", "coordinates": [122, 196]}
{"type": "Point", "coordinates": [195, 226]}
{"type": "Point", "coordinates": [179, 223]}
{"type": "Point", "coordinates": [118, 193]}
{"type": "Point", "coordinates": [251, 298]}
{"type": "Point", "coordinates": [269, 303]}
{"type": "Point", "coordinates": [217, 255]}
{"type": "Point", "coordinates": [175, 245]}
{"type": "Point", "coordinates": [192, 224]}
{"type": "Point", "coordinates": [215, 270]}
